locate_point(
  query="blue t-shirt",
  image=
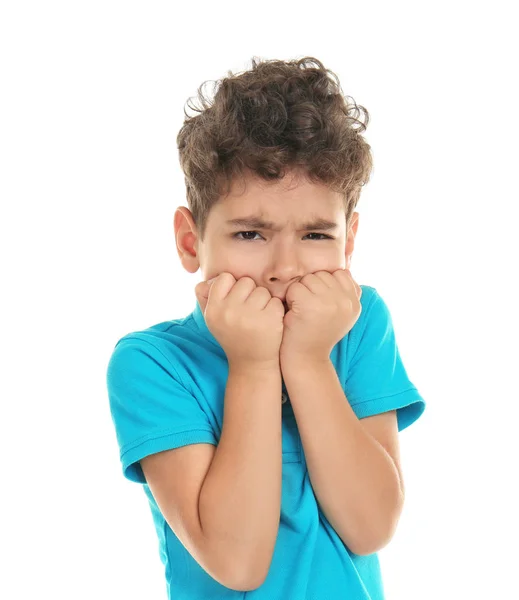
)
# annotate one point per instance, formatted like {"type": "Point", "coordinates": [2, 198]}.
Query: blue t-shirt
{"type": "Point", "coordinates": [166, 387]}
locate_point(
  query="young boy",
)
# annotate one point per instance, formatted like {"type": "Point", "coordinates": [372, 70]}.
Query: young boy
{"type": "Point", "coordinates": [264, 425]}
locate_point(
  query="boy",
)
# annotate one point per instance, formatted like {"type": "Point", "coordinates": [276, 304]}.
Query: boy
{"type": "Point", "coordinates": [264, 425]}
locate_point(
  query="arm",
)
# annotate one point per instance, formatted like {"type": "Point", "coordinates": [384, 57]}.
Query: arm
{"type": "Point", "coordinates": [240, 498]}
{"type": "Point", "coordinates": [354, 479]}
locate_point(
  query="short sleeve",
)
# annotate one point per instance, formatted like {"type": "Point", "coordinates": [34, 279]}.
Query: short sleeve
{"type": "Point", "coordinates": [151, 409]}
{"type": "Point", "coordinates": [377, 381]}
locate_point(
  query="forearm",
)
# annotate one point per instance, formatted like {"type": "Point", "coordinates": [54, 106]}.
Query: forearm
{"type": "Point", "coordinates": [354, 479]}
{"type": "Point", "coordinates": [240, 499]}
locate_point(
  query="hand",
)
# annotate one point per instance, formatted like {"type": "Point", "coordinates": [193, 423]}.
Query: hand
{"type": "Point", "coordinates": [245, 319]}
{"type": "Point", "coordinates": [323, 307]}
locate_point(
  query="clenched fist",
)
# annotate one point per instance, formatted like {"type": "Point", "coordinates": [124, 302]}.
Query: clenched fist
{"type": "Point", "coordinates": [245, 319]}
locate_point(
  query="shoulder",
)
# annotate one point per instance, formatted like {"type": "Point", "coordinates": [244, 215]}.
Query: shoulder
{"type": "Point", "coordinates": [374, 327]}
{"type": "Point", "coordinates": [374, 309]}
{"type": "Point", "coordinates": [368, 295]}
{"type": "Point", "coordinates": [165, 336]}
{"type": "Point", "coordinates": [158, 346]}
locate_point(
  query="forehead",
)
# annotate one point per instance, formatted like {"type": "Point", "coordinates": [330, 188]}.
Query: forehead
{"type": "Point", "coordinates": [291, 200]}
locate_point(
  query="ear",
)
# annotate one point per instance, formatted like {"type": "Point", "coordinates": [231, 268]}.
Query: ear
{"type": "Point", "coordinates": [186, 238]}
{"type": "Point", "coordinates": [350, 239]}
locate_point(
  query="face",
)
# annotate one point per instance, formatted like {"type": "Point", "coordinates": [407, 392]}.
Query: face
{"type": "Point", "coordinates": [279, 239]}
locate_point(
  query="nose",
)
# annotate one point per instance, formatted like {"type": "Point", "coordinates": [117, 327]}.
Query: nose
{"type": "Point", "coordinates": [284, 276]}
{"type": "Point", "coordinates": [283, 269]}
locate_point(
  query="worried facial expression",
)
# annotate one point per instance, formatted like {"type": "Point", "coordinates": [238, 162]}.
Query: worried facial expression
{"type": "Point", "coordinates": [275, 233]}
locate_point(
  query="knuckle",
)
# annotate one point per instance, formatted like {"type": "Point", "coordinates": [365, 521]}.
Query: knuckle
{"type": "Point", "coordinates": [247, 280]}
{"type": "Point", "coordinates": [226, 276]}
{"type": "Point", "coordinates": [261, 290]}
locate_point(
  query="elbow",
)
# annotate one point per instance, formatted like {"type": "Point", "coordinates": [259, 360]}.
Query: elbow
{"type": "Point", "coordinates": [248, 575]}
{"type": "Point", "coordinates": [243, 567]}
{"type": "Point", "coordinates": [365, 549]}
{"type": "Point", "coordinates": [379, 539]}
{"type": "Point", "coordinates": [247, 586]}
{"type": "Point", "coordinates": [370, 545]}
{"type": "Point", "coordinates": [246, 580]}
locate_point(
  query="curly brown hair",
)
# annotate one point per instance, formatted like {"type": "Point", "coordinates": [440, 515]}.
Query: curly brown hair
{"type": "Point", "coordinates": [278, 116]}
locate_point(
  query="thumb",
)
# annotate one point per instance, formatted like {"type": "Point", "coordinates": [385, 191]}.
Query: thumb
{"type": "Point", "coordinates": [202, 293]}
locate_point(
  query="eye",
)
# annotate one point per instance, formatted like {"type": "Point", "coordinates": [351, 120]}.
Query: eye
{"type": "Point", "coordinates": [323, 235]}
{"type": "Point", "coordinates": [249, 239]}
{"type": "Point", "coordinates": [245, 232]}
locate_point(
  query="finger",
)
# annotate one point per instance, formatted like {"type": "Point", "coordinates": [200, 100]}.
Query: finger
{"type": "Point", "coordinates": [345, 278]}
{"type": "Point", "coordinates": [297, 292]}
{"type": "Point", "coordinates": [315, 282]}
{"type": "Point", "coordinates": [202, 294]}
{"type": "Point", "coordinates": [357, 286]}
{"type": "Point", "coordinates": [241, 290]}
{"type": "Point", "coordinates": [327, 278]}
{"type": "Point", "coordinates": [215, 287]}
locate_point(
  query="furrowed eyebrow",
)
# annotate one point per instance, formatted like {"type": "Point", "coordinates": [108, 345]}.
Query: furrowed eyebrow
{"type": "Point", "coordinates": [255, 222]}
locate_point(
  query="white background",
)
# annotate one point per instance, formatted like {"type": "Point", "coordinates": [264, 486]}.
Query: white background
{"type": "Point", "coordinates": [92, 97]}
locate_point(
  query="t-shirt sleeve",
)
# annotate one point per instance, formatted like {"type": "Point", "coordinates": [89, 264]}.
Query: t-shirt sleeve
{"type": "Point", "coordinates": [151, 408]}
{"type": "Point", "coordinates": [377, 381]}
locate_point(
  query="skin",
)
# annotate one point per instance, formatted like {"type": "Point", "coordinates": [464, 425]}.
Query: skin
{"type": "Point", "coordinates": [312, 273]}
{"type": "Point", "coordinates": [273, 259]}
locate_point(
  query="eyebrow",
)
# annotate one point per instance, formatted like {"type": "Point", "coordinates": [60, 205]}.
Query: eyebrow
{"type": "Point", "coordinates": [257, 222]}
